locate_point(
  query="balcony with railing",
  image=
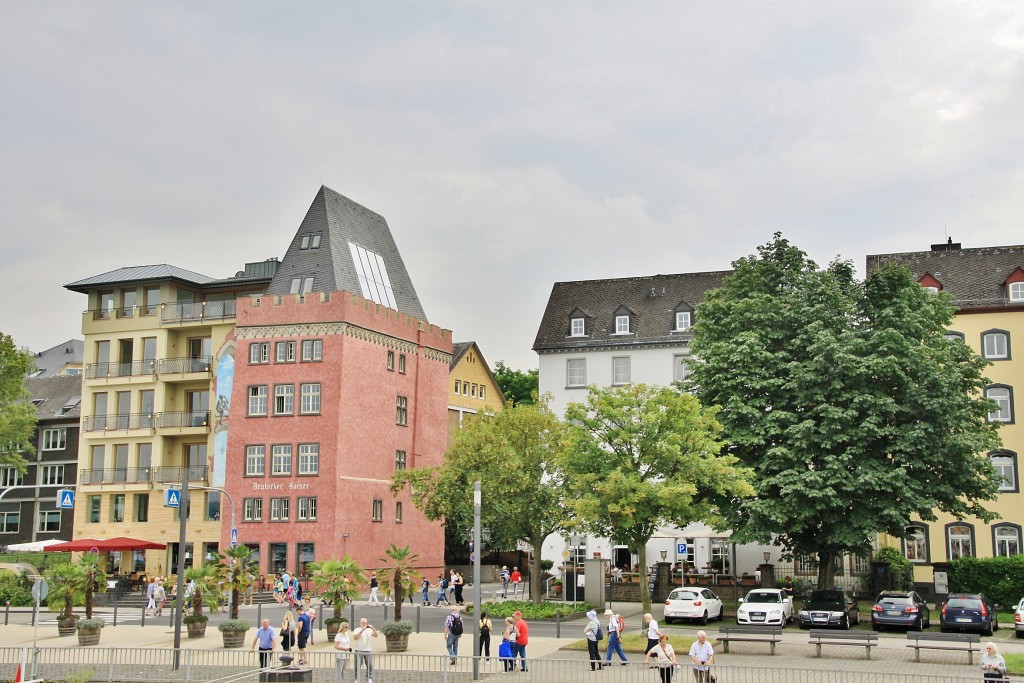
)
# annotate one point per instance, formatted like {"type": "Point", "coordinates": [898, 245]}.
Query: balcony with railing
{"type": "Point", "coordinates": [195, 473]}
{"type": "Point", "coordinates": [113, 423]}
{"type": "Point", "coordinates": [142, 475]}
{"type": "Point", "coordinates": [171, 313]}
{"type": "Point", "coordinates": [151, 367]}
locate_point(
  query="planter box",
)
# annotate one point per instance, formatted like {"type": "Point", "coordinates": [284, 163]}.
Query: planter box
{"type": "Point", "coordinates": [89, 636]}
{"type": "Point", "coordinates": [397, 643]}
{"type": "Point", "coordinates": [233, 638]}
{"type": "Point", "coordinates": [67, 627]}
{"type": "Point", "coordinates": [196, 630]}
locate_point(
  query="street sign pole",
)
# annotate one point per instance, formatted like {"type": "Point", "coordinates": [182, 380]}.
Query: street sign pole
{"type": "Point", "coordinates": [40, 589]}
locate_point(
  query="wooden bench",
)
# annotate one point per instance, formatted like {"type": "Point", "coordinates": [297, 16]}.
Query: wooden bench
{"type": "Point", "coordinates": [749, 634]}
{"type": "Point", "coordinates": [960, 642]}
{"type": "Point", "coordinates": [864, 639]}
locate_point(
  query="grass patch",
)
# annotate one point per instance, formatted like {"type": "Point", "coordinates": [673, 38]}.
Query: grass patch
{"type": "Point", "coordinates": [1014, 664]}
{"type": "Point", "coordinates": [545, 610]}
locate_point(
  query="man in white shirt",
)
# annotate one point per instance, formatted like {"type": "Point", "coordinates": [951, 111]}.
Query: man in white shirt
{"type": "Point", "coordinates": [363, 647]}
{"type": "Point", "coordinates": [653, 634]}
{"type": "Point", "coordinates": [702, 655]}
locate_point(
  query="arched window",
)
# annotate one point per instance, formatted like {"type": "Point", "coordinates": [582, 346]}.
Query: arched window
{"type": "Point", "coordinates": [959, 540]}
{"type": "Point", "coordinates": [995, 345]}
{"type": "Point", "coordinates": [915, 545]}
{"type": "Point", "coordinates": [1003, 396]}
{"type": "Point", "coordinates": [1006, 540]}
{"type": "Point", "coordinates": [1005, 464]}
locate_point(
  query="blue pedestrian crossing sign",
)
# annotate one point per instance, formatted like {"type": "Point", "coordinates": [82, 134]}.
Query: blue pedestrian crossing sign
{"type": "Point", "coordinates": [66, 499]}
{"type": "Point", "coordinates": [172, 498]}
{"type": "Point", "coordinates": [680, 548]}
{"type": "Point", "coordinates": [234, 537]}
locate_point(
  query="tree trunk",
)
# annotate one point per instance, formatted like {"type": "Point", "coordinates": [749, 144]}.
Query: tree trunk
{"type": "Point", "coordinates": [536, 572]}
{"type": "Point", "coordinates": [645, 589]}
{"type": "Point", "coordinates": [398, 596]}
{"type": "Point", "coordinates": [826, 570]}
{"type": "Point", "coordinates": [234, 603]}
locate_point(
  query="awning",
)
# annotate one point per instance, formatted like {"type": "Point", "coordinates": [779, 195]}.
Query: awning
{"type": "Point", "coordinates": [32, 546]}
{"type": "Point", "coordinates": [113, 544]}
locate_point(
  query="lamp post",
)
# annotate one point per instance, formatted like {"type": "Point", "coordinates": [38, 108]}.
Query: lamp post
{"type": "Point", "coordinates": [182, 529]}
{"type": "Point", "coordinates": [477, 499]}
{"type": "Point", "coordinates": [234, 529]}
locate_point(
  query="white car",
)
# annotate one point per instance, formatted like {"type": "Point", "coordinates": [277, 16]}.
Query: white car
{"type": "Point", "coordinates": [1018, 619]}
{"type": "Point", "coordinates": [765, 606]}
{"type": "Point", "coordinates": [694, 603]}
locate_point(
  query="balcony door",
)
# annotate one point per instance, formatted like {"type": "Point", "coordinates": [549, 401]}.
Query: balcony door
{"type": "Point", "coordinates": [198, 404]}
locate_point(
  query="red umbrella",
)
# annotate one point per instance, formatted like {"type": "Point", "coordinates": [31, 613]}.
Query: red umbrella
{"type": "Point", "coordinates": [115, 544]}
{"type": "Point", "coordinates": [81, 545]}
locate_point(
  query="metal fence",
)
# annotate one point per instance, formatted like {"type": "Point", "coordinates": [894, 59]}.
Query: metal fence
{"type": "Point", "coordinates": [130, 665]}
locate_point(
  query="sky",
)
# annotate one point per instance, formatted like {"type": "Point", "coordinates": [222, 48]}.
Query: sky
{"type": "Point", "coordinates": [509, 145]}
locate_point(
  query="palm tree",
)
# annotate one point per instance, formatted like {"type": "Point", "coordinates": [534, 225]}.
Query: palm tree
{"type": "Point", "coordinates": [399, 570]}
{"type": "Point", "coordinates": [206, 578]}
{"type": "Point", "coordinates": [234, 573]}
{"type": "Point", "coordinates": [94, 579]}
{"type": "Point", "coordinates": [67, 588]}
{"type": "Point", "coordinates": [337, 582]}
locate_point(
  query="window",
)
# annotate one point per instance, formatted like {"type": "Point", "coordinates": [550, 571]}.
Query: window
{"type": "Point", "coordinates": [281, 460]}
{"type": "Point", "coordinates": [374, 283]}
{"type": "Point", "coordinates": [398, 512]}
{"type": "Point", "coordinates": [278, 557]}
{"type": "Point", "coordinates": [312, 350]}
{"type": "Point", "coordinates": [458, 387]}
{"type": "Point", "coordinates": [284, 399]}
{"type": "Point", "coordinates": [482, 396]}
{"type": "Point", "coordinates": [152, 296]}
{"type": "Point", "coordinates": [55, 439]}
{"type": "Point", "coordinates": [252, 509]}
{"type": "Point", "coordinates": [402, 410]}
{"type": "Point", "coordinates": [315, 242]}
{"type": "Point", "coordinates": [259, 352]}
{"type": "Point", "coordinates": [1006, 540]}
{"type": "Point", "coordinates": [378, 510]}
{"type": "Point", "coordinates": [622, 324]}
{"type": "Point", "coordinates": [953, 335]}
{"type": "Point", "coordinates": [1003, 396]}
{"type": "Point", "coordinates": [472, 391]}
{"type": "Point", "coordinates": [94, 509]}
{"type": "Point", "coordinates": [309, 399]}
{"type": "Point", "coordinates": [576, 372]}
{"type": "Point", "coordinates": [1005, 464]}
{"type": "Point", "coordinates": [620, 370]}
{"type": "Point", "coordinates": [960, 539]}
{"type": "Point", "coordinates": [307, 508]}
{"type": "Point", "coordinates": [860, 564]}
{"type": "Point", "coordinates": [399, 460]}
{"type": "Point", "coordinates": [682, 321]}
{"type": "Point", "coordinates": [309, 458]}
{"type": "Point", "coordinates": [279, 509]}
{"type": "Point", "coordinates": [1016, 291]}
{"type": "Point", "coordinates": [995, 345]}
{"type": "Point", "coordinates": [49, 521]}
{"type": "Point", "coordinates": [806, 564]}
{"type": "Point", "coordinates": [51, 475]}
{"type": "Point", "coordinates": [255, 461]}
{"type": "Point", "coordinates": [577, 327]}
{"type": "Point", "coordinates": [258, 400]}
{"type": "Point", "coordinates": [401, 363]}
{"type": "Point", "coordinates": [285, 352]}
{"type": "Point", "coordinates": [915, 545]}
{"type": "Point", "coordinates": [117, 508]}
{"type": "Point", "coordinates": [391, 361]}
{"type": "Point", "coordinates": [141, 507]}
{"type": "Point", "coordinates": [680, 368]}
{"type": "Point", "coordinates": [304, 244]}
{"type": "Point", "coordinates": [465, 388]}
{"type": "Point", "coordinates": [301, 285]}
{"type": "Point", "coordinates": [10, 522]}
{"type": "Point", "coordinates": [212, 506]}
{"type": "Point", "coordinates": [10, 477]}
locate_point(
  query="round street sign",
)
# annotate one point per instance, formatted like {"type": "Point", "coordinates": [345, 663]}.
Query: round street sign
{"type": "Point", "coordinates": [40, 589]}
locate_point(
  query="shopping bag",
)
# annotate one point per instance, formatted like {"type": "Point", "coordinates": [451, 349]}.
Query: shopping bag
{"type": "Point", "coordinates": [505, 650]}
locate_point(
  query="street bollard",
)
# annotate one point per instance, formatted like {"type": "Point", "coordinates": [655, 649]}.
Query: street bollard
{"type": "Point", "coordinates": [7, 612]}
{"type": "Point", "coordinates": [259, 613]}
{"type": "Point", "coordinates": [115, 614]}
{"type": "Point", "coordinates": [143, 616]}
{"type": "Point", "coordinates": [417, 618]}
{"type": "Point", "coordinates": [558, 624]}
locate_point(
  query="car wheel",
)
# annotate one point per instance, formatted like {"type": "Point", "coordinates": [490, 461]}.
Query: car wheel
{"type": "Point", "coordinates": [721, 613]}
{"type": "Point", "coordinates": [704, 618]}
{"type": "Point", "coordinates": [918, 625]}
{"type": "Point", "coordinates": [874, 626]}
{"type": "Point", "coordinates": [987, 632]}
{"type": "Point", "coordinates": [845, 623]}
{"type": "Point", "coordinates": [1020, 634]}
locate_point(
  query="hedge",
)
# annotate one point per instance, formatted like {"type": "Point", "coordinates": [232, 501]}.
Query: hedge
{"type": "Point", "coordinates": [1000, 578]}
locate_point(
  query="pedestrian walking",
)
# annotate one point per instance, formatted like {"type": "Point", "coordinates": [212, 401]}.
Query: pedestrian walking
{"type": "Point", "coordinates": [425, 588]}
{"type": "Point", "coordinates": [504, 575]}
{"type": "Point", "coordinates": [343, 644]}
{"type": "Point", "coordinates": [592, 631]}
{"type": "Point", "coordinates": [288, 638]}
{"type": "Point", "coordinates": [653, 634]}
{"type": "Point", "coordinates": [442, 590]}
{"type": "Point", "coordinates": [507, 649]}
{"type": "Point", "coordinates": [516, 578]}
{"type": "Point", "coordinates": [302, 625]}
{"type": "Point", "coordinates": [485, 636]}
{"type": "Point", "coordinates": [522, 638]}
{"type": "Point", "coordinates": [453, 628]}
{"type": "Point", "coordinates": [665, 659]}
{"type": "Point", "coordinates": [159, 597]}
{"type": "Point", "coordinates": [616, 627]}
{"type": "Point", "coordinates": [265, 639]}
{"type": "Point", "coordinates": [702, 656]}
{"type": "Point", "coordinates": [374, 588]}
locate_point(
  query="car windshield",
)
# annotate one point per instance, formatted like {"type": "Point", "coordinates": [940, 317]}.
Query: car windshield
{"type": "Point", "coordinates": [764, 597]}
{"type": "Point", "coordinates": [964, 603]}
{"type": "Point", "coordinates": [682, 595]}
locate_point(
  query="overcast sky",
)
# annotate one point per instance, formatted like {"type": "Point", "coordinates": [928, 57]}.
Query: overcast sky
{"type": "Point", "coordinates": [509, 145]}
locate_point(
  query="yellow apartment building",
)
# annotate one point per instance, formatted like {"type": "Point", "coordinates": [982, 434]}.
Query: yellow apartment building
{"type": "Point", "coordinates": [471, 385]}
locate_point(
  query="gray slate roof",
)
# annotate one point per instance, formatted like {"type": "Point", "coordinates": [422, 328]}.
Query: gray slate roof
{"type": "Point", "coordinates": [974, 277]}
{"type": "Point", "coordinates": [651, 301]}
{"type": "Point", "coordinates": [53, 359]}
{"type": "Point", "coordinates": [55, 393]}
{"type": "Point", "coordinates": [339, 220]}
{"type": "Point", "coordinates": [138, 274]}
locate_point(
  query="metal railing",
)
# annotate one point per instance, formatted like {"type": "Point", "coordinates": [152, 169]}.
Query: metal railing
{"type": "Point", "coordinates": [188, 418]}
{"type": "Point", "coordinates": [123, 312]}
{"type": "Point", "coordinates": [136, 368]}
{"type": "Point", "coordinates": [183, 365]}
{"type": "Point", "coordinates": [123, 475]}
{"type": "Point", "coordinates": [158, 664]}
{"type": "Point", "coordinates": [175, 474]}
{"type": "Point", "coordinates": [197, 311]}
{"type": "Point", "coordinates": [101, 423]}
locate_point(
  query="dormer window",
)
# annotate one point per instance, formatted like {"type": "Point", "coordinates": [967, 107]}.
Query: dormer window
{"type": "Point", "coordinates": [1016, 292]}
{"type": "Point", "coordinates": [577, 327]}
{"type": "Point", "coordinates": [622, 324]}
{"type": "Point", "coordinates": [929, 283]}
{"type": "Point", "coordinates": [682, 321]}
{"type": "Point", "coordinates": [310, 241]}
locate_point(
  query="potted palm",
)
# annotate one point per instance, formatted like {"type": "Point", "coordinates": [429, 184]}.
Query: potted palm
{"type": "Point", "coordinates": [203, 588]}
{"type": "Point", "coordinates": [75, 583]}
{"type": "Point", "coordinates": [399, 570]}
{"type": "Point", "coordinates": [336, 582]}
{"type": "Point", "coordinates": [234, 577]}
{"type": "Point", "coordinates": [95, 581]}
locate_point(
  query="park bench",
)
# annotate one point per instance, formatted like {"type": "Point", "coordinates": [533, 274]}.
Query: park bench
{"type": "Point", "coordinates": [864, 639]}
{"type": "Point", "coordinates": [749, 634]}
{"type": "Point", "coordinates": [962, 642]}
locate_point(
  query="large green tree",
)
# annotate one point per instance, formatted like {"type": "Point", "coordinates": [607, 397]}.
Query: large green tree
{"type": "Point", "coordinates": [847, 400]}
{"type": "Point", "coordinates": [517, 386]}
{"type": "Point", "coordinates": [513, 453]}
{"type": "Point", "coordinates": [17, 414]}
{"type": "Point", "coordinates": [644, 457]}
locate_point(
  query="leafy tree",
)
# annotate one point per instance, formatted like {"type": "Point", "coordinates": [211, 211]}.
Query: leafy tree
{"type": "Point", "coordinates": [513, 453]}
{"type": "Point", "coordinates": [337, 582]}
{"type": "Point", "coordinates": [15, 589]}
{"type": "Point", "coordinates": [17, 414]}
{"type": "Point", "coordinates": [517, 386]}
{"type": "Point", "coordinates": [644, 457]}
{"type": "Point", "coordinates": [847, 400]}
{"type": "Point", "coordinates": [398, 573]}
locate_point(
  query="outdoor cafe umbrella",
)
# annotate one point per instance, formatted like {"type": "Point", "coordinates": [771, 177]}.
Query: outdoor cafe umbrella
{"type": "Point", "coordinates": [113, 544]}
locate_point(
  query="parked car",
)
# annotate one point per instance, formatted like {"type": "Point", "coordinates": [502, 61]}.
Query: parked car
{"type": "Point", "coordinates": [968, 612]}
{"type": "Point", "coordinates": [765, 606]}
{"type": "Point", "coordinates": [693, 603]}
{"type": "Point", "coordinates": [900, 608]}
{"type": "Point", "coordinates": [829, 608]}
{"type": "Point", "coordinates": [1018, 618]}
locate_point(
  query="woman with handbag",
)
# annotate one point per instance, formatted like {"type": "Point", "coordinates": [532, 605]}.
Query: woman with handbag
{"type": "Point", "coordinates": [993, 666]}
{"type": "Point", "coordinates": [665, 658]}
{"type": "Point", "coordinates": [507, 649]}
{"type": "Point", "coordinates": [343, 644]}
{"type": "Point", "coordinates": [288, 626]}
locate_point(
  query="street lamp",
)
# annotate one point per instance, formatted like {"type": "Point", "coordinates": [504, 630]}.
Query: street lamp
{"type": "Point", "coordinates": [477, 499]}
{"type": "Point", "coordinates": [664, 555]}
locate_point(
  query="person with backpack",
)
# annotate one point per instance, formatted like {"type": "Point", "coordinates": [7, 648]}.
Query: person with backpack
{"type": "Point", "coordinates": [442, 590]}
{"type": "Point", "coordinates": [425, 587]}
{"type": "Point", "coordinates": [452, 632]}
{"type": "Point", "coordinates": [504, 581]}
{"type": "Point", "coordinates": [616, 627]}
{"type": "Point", "coordinates": [485, 636]}
{"type": "Point", "coordinates": [594, 635]}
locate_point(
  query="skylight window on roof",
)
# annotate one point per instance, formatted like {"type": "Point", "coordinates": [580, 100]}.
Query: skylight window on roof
{"type": "Point", "coordinates": [373, 276]}
{"type": "Point", "coordinates": [70, 405]}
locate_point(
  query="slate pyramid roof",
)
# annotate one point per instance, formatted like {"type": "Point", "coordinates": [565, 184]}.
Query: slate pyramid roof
{"type": "Point", "coordinates": [338, 226]}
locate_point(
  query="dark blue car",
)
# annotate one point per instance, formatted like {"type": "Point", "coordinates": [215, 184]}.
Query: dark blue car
{"type": "Point", "coordinates": [906, 609]}
{"type": "Point", "coordinates": [968, 612]}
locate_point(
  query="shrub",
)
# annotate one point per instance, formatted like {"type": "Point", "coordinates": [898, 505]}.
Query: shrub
{"type": "Point", "coordinates": [1000, 578]}
{"type": "Point", "coordinates": [899, 565]}
{"type": "Point", "coordinates": [17, 589]}
{"type": "Point", "coordinates": [90, 623]}
{"type": "Point", "coordinates": [234, 625]}
{"type": "Point", "coordinates": [545, 610]}
{"type": "Point", "coordinates": [397, 628]}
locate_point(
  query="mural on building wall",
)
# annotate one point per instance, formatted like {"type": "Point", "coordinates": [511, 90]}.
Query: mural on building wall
{"type": "Point", "coordinates": [222, 390]}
